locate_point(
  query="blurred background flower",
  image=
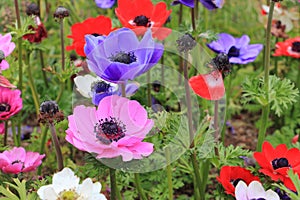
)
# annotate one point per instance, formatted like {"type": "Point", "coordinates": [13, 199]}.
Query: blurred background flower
{"type": "Point", "coordinates": [105, 3]}
{"type": "Point", "coordinates": [6, 48]}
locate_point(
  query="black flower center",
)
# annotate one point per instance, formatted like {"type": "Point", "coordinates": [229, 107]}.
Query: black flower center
{"type": "Point", "coordinates": [4, 107]}
{"type": "Point", "coordinates": [96, 34]}
{"type": "Point", "coordinates": [142, 21]}
{"type": "Point", "coordinates": [296, 47]}
{"type": "Point", "coordinates": [109, 130]}
{"type": "Point", "coordinates": [233, 52]}
{"type": "Point", "coordinates": [123, 57]}
{"type": "Point", "coordinates": [2, 56]}
{"type": "Point", "coordinates": [259, 199]}
{"type": "Point", "coordinates": [100, 86]}
{"type": "Point", "coordinates": [234, 182]}
{"type": "Point", "coordinates": [279, 163]}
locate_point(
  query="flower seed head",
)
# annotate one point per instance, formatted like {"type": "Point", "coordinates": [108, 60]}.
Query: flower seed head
{"type": "Point", "coordinates": [186, 43]}
{"type": "Point", "coordinates": [49, 112]}
{"type": "Point", "coordinates": [61, 12]}
{"type": "Point", "coordinates": [33, 9]}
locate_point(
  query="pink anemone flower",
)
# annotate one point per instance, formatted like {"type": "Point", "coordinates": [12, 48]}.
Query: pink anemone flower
{"type": "Point", "coordinates": [116, 128]}
{"type": "Point", "coordinates": [2, 128]}
{"type": "Point", "coordinates": [18, 160]}
{"type": "Point", "coordinates": [6, 47]}
{"type": "Point", "coordinates": [10, 102]}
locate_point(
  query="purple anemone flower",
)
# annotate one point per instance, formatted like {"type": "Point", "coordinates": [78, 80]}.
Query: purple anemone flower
{"type": "Point", "coordinates": [238, 50]}
{"type": "Point", "coordinates": [209, 4]}
{"type": "Point", "coordinates": [121, 56]}
{"type": "Point", "coordinates": [105, 3]}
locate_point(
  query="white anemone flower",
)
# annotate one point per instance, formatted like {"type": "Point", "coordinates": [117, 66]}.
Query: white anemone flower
{"type": "Point", "coordinates": [286, 17]}
{"type": "Point", "coordinates": [65, 185]}
{"type": "Point", "coordinates": [254, 191]}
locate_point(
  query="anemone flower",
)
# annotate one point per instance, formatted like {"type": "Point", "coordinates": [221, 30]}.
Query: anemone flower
{"type": "Point", "coordinates": [275, 162]}
{"type": "Point", "coordinates": [231, 175]}
{"type": "Point", "coordinates": [17, 160]}
{"type": "Point", "coordinates": [116, 128]}
{"type": "Point", "coordinates": [10, 102]}
{"type": "Point", "coordinates": [100, 25]}
{"type": "Point", "coordinates": [105, 3]}
{"type": "Point", "coordinates": [65, 185]}
{"type": "Point", "coordinates": [209, 4]}
{"type": "Point", "coordinates": [6, 47]}
{"type": "Point", "coordinates": [289, 47]}
{"type": "Point", "coordinates": [39, 34]}
{"type": "Point", "coordinates": [140, 15]}
{"type": "Point", "coordinates": [238, 49]}
{"type": "Point", "coordinates": [254, 191]}
{"type": "Point", "coordinates": [97, 88]}
{"type": "Point", "coordinates": [121, 56]}
{"type": "Point", "coordinates": [286, 17]}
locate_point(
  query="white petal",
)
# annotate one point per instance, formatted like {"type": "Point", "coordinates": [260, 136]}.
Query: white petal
{"type": "Point", "coordinates": [255, 190]}
{"type": "Point", "coordinates": [285, 20]}
{"type": "Point", "coordinates": [241, 191]}
{"type": "Point", "coordinates": [271, 195]}
{"type": "Point", "coordinates": [47, 193]}
{"type": "Point", "coordinates": [90, 190]}
{"type": "Point", "coordinates": [65, 180]}
{"type": "Point", "coordinates": [84, 83]}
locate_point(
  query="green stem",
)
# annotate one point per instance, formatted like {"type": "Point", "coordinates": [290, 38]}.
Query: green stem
{"type": "Point", "coordinates": [227, 114]}
{"type": "Point", "coordinates": [113, 184]}
{"type": "Point", "coordinates": [43, 66]}
{"type": "Point", "coordinates": [276, 61]}
{"type": "Point", "coordinates": [162, 78]}
{"type": "Point", "coordinates": [62, 43]}
{"type": "Point", "coordinates": [137, 182]}
{"type": "Point", "coordinates": [216, 121]}
{"type": "Point", "coordinates": [265, 109]}
{"type": "Point", "coordinates": [298, 79]}
{"type": "Point", "coordinates": [149, 88]}
{"type": "Point", "coordinates": [32, 86]}
{"type": "Point", "coordinates": [193, 18]}
{"type": "Point", "coordinates": [169, 174]}
{"type": "Point", "coordinates": [59, 156]}
{"type": "Point", "coordinates": [16, 141]}
{"type": "Point", "coordinates": [61, 91]}
{"type": "Point", "coordinates": [5, 133]}
{"type": "Point", "coordinates": [42, 147]}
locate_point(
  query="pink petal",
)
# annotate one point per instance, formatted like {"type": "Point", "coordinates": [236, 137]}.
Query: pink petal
{"type": "Point", "coordinates": [4, 65]}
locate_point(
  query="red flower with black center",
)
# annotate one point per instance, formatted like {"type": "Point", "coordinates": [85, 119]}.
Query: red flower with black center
{"type": "Point", "coordinates": [289, 47]}
{"type": "Point", "coordinates": [275, 162]}
{"type": "Point", "coordinates": [231, 175]}
{"type": "Point", "coordinates": [100, 25]}
{"type": "Point", "coordinates": [39, 34]}
{"type": "Point", "coordinates": [142, 14]}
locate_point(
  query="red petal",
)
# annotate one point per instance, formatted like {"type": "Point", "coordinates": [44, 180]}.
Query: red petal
{"type": "Point", "coordinates": [208, 86]}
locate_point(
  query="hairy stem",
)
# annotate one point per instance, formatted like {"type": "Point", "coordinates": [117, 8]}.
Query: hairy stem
{"type": "Point", "coordinates": [113, 184]}
{"type": "Point", "coordinates": [43, 66]}
{"type": "Point", "coordinates": [59, 156]}
{"type": "Point", "coordinates": [5, 133]}
{"type": "Point", "coordinates": [62, 43]}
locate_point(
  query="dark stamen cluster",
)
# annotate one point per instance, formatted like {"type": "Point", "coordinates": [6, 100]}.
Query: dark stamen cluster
{"type": "Point", "coordinates": [61, 12]}
{"type": "Point", "coordinates": [186, 43]}
{"type": "Point", "coordinates": [49, 112]}
{"type": "Point", "coordinates": [4, 107]}
{"type": "Point", "coordinates": [221, 63]}
{"type": "Point", "coordinates": [233, 52]}
{"type": "Point", "coordinates": [236, 181]}
{"type": "Point", "coordinates": [109, 130]}
{"type": "Point", "coordinates": [296, 47]}
{"type": "Point", "coordinates": [123, 57]}
{"type": "Point", "coordinates": [142, 21]}
{"type": "Point", "coordinates": [100, 86]}
{"type": "Point", "coordinates": [2, 56]}
{"type": "Point", "coordinates": [33, 9]}
{"type": "Point", "coordinates": [279, 163]}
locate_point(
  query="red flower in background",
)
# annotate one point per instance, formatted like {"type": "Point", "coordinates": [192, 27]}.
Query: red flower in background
{"type": "Point", "coordinates": [231, 175]}
{"type": "Point", "coordinates": [100, 25]}
{"type": "Point", "coordinates": [142, 14]}
{"type": "Point", "coordinates": [289, 47]}
{"type": "Point", "coordinates": [39, 34]}
{"type": "Point", "coordinates": [275, 162]}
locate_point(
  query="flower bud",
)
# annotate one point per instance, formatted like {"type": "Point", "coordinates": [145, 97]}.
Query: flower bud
{"type": "Point", "coordinates": [186, 43]}
{"type": "Point", "coordinates": [49, 113]}
{"type": "Point", "coordinates": [61, 12]}
{"type": "Point", "coordinates": [33, 9]}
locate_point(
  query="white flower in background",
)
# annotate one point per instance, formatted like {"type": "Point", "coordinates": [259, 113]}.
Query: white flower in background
{"type": "Point", "coordinates": [254, 191]}
{"type": "Point", "coordinates": [286, 17]}
{"type": "Point", "coordinates": [65, 185]}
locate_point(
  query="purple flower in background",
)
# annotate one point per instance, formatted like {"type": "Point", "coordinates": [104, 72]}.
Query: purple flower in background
{"type": "Point", "coordinates": [209, 4]}
{"type": "Point", "coordinates": [121, 56]}
{"type": "Point", "coordinates": [105, 3]}
{"type": "Point", "coordinates": [238, 50]}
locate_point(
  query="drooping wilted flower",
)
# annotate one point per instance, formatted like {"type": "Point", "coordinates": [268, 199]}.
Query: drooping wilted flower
{"type": "Point", "coordinates": [117, 128]}
{"type": "Point", "coordinates": [65, 185]}
{"type": "Point", "coordinates": [17, 160]}
{"type": "Point", "coordinates": [121, 56]}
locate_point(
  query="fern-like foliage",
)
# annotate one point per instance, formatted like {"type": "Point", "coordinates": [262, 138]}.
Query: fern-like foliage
{"type": "Point", "coordinates": [281, 94]}
{"type": "Point", "coordinates": [18, 186]}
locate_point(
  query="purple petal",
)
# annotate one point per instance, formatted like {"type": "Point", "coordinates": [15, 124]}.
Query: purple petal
{"type": "Point", "coordinates": [105, 3]}
{"type": "Point", "coordinates": [208, 4]}
{"type": "Point", "coordinates": [189, 3]}
{"type": "Point", "coordinates": [241, 42]}
{"type": "Point", "coordinates": [223, 44]}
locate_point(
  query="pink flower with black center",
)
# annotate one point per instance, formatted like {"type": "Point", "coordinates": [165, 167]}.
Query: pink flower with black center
{"type": "Point", "coordinates": [117, 128]}
{"type": "Point", "coordinates": [10, 102]}
{"type": "Point", "coordinates": [6, 47]}
{"type": "Point", "coordinates": [18, 160]}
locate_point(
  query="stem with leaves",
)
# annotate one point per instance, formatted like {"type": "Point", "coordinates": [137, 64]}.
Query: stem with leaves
{"type": "Point", "coordinates": [266, 109]}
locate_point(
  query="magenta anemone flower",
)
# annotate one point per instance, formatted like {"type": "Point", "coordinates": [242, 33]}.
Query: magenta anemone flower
{"type": "Point", "coordinates": [116, 128]}
{"type": "Point", "coordinates": [10, 102]}
{"type": "Point", "coordinates": [238, 50]}
{"type": "Point", "coordinates": [6, 47]}
{"type": "Point", "coordinates": [18, 160]}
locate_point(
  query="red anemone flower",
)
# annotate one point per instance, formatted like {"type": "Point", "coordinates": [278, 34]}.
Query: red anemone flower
{"type": "Point", "coordinates": [100, 25]}
{"type": "Point", "coordinates": [142, 14]}
{"type": "Point", "coordinates": [231, 175]}
{"type": "Point", "coordinates": [39, 34]}
{"type": "Point", "coordinates": [275, 162]}
{"type": "Point", "coordinates": [289, 47]}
